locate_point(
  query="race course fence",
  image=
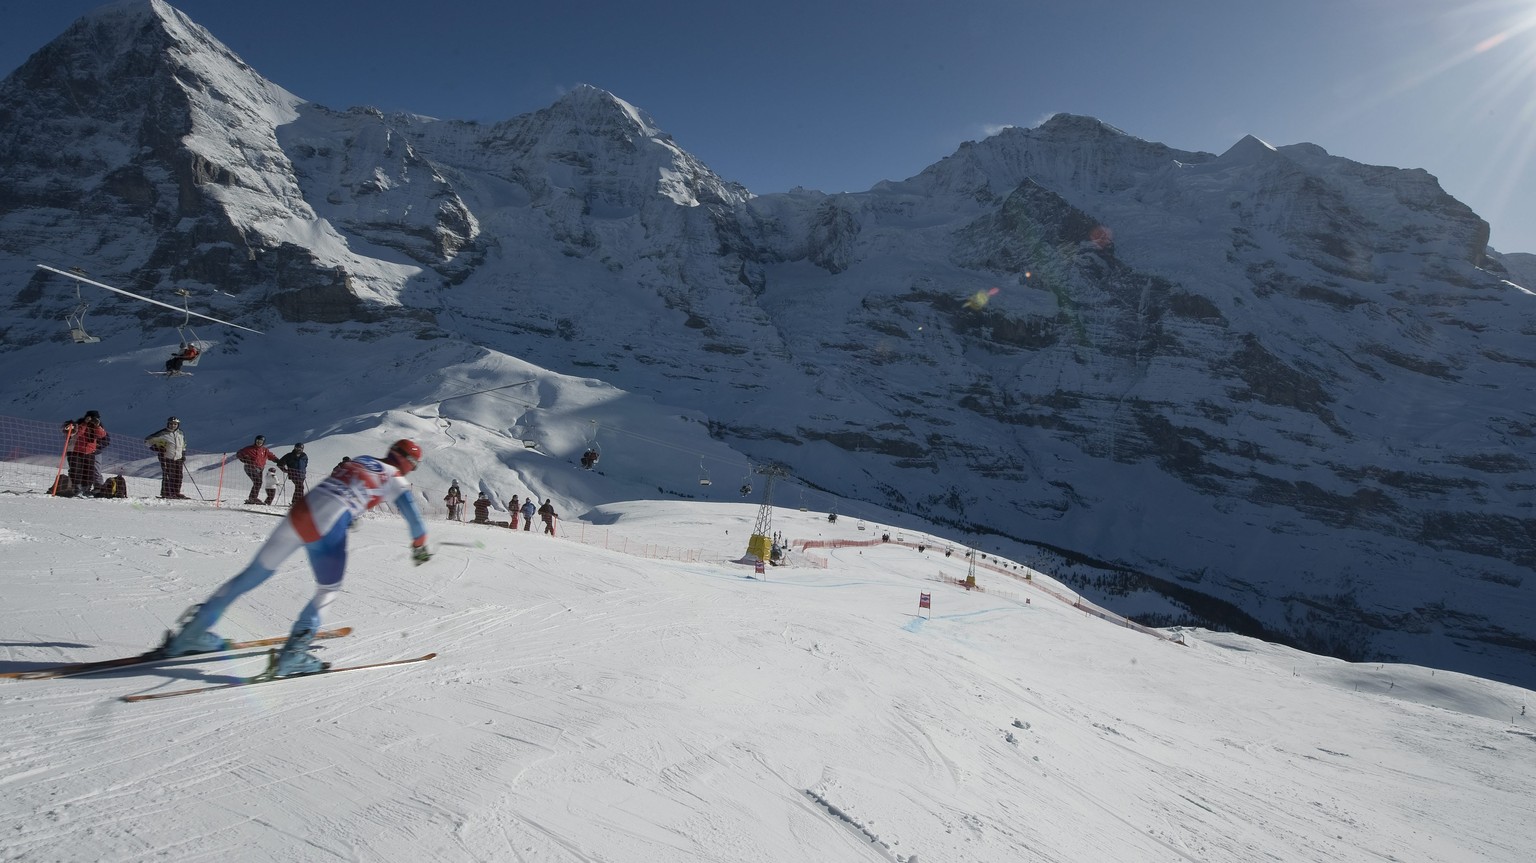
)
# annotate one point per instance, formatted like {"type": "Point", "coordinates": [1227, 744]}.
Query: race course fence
{"type": "Point", "coordinates": [32, 456]}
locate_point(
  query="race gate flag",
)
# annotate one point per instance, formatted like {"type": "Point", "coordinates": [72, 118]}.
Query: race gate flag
{"type": "Point", "coordinates": [924, 601]}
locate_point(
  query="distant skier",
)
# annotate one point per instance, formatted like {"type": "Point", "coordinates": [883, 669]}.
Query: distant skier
{"type": "Point", "coordinates": [529, 509]}
{"type": "Point", "coordinates": [482, 509]}
{"type": "Point", "coordinates": [318, 523]}
{"type": "Point", "coordinates": [547, 512]}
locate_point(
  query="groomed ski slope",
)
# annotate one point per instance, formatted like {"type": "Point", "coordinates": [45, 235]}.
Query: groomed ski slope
{"type": "Point", "coordinates": [591, 705]}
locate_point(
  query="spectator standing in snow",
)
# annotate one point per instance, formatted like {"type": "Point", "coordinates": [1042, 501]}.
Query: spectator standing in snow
{"type": "Point", "coordinates": [547, 512]}
{"type": "Point", "coordinates": [513, 508]}
{"type": "Point", "coordinates": [482, 509]}
{"type": "Point", "coordinates": [455, 501]}
{"type": "Point", "coordinates": [318, 523]}
{"type": "Point", "coordinates": [270, 484]}
{"type": "Point", "coordinates": [255, 458]}
{"type": "Point", "coordinates": [170, 445]}
{"type": "Point", "coordinates": [528, 511]}
{"type": "Point", "coordinates": [296, 465]}
{"type": "Point", "coordinates": [85, 437]}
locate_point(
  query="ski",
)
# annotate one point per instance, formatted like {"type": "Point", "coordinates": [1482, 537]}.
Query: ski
{"type": "Point", "coordinates": [151, 657]}
{"type": "Point", "coordinates": [262, 678]}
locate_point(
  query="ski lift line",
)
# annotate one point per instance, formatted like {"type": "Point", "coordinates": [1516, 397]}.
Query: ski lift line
{"type": "Point", "coordinates": [181, 309]}
{"type": "Point", "coordinates": [537, 407]}
{"type": "Point", "coordinates": [486, 390]}
{"type": "Point", "coordinates": [787, 480]}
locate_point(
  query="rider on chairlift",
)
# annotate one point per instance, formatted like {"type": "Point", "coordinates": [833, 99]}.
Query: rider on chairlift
{"type": "Point", "coordinates": [590, 457]}
{"type": "Point", "coordinates": [188, 353]}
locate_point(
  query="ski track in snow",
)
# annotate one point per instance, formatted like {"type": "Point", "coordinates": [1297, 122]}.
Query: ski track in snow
{"type": "Point", "coordinates": [589, 705]}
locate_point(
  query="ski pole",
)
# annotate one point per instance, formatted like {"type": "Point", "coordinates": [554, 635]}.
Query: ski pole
{"type": "Point", "coordinates": [194, 480]}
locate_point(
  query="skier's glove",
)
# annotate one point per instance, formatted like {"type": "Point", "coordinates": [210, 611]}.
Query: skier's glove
{"type": "Point", "coordinates": [420, 555]}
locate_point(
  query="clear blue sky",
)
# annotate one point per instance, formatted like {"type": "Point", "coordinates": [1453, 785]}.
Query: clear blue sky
{"type": "Point", "coordinates": [839, 94]}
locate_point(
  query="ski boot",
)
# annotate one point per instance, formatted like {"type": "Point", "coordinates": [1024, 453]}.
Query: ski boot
{"type": "Point", "coordinates": [187, 640]}
{"type": "Point", "coordinates": [295, 659]}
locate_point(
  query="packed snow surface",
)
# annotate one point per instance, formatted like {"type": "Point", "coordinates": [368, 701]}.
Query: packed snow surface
{"type": "Point", "coordinates": [625, 692]}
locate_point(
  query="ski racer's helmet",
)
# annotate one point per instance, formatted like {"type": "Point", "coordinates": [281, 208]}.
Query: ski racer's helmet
{"type": "Point", "coordinates": [405, 455]}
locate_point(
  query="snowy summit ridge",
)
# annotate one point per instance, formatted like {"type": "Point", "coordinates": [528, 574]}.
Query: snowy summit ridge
{"type": "Point", "coordinates": [1274, 389]}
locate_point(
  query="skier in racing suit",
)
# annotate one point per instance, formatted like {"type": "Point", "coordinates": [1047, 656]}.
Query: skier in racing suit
{"type": "Point", "coordinates": [318, 522]}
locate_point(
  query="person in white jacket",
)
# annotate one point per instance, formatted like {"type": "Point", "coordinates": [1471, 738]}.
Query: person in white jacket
{"type": "Point", "coordinates": [171, 446]}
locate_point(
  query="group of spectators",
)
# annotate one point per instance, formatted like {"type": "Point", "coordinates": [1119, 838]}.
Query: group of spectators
{"type": "Point", "coordinates": [83, 439]}
{"type": "Point", "coordinates": [527, 509]}
{"type": "Point", "coordinates": [294, 465]}
{"type": "Point", "coordinates": [86, 436]}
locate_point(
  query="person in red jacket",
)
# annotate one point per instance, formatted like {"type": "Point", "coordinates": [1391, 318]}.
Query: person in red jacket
{"type": "Point", "coordinates": [187, 354]}
{"type": "Point", "coordinates": [85, 437]}
{"type": "Point", "coordinates": [255, 457]}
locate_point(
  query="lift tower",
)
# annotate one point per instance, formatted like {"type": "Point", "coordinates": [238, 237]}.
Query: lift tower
{"type": "Point", "coordinates": [762, 531]}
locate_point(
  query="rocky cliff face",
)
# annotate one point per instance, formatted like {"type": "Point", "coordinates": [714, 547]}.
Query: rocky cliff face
{"type": "Point", "coordinates": [1271, 388]}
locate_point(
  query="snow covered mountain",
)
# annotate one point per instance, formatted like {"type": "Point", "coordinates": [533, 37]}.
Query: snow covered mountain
{"type": "Point", "coordinates": [1271, 389]}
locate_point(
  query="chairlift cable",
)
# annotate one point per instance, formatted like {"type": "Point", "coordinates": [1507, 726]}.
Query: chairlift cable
{"type": "Point", "coordinates": [185, 310]}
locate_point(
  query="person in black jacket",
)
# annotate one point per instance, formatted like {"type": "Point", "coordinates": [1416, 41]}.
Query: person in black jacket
{"type": "Point", "coordinates": [296, 465]}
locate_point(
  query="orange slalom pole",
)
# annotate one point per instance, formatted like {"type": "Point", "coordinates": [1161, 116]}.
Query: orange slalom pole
{"type": "Point", "coordinates": [218, 494]}
{"type": "Point", "coordinates": [63, 457]}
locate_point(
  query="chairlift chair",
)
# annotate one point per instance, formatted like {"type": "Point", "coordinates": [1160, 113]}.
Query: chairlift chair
{"type": "Point", "coordinates": [746, 482]}
{"type": "Point", "coordinates": [189, 335]}
{"type": "Point", "coordinates": [76, 322]}
{"type": "Point", "coordinates": [76, 319]}
{"type": "Point", "coordinates": [703, 472]}
{"type": "Point", "coordinates": [594, 451]}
